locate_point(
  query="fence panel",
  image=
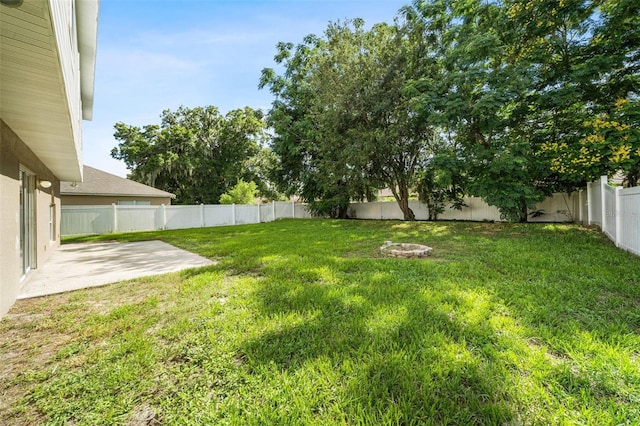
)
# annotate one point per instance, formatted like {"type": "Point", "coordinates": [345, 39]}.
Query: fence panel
{"type": "Point", "coordinates": [557, 208]}
{"type": "Point", "coordinates": [390, 211]}
{"type": "Point", "coordinates": [266, 213]}
{"type": "Point", "coordinates": [610, 212]}
{"type": "Point", "coordinates": [629, 238]}
{"type": "Point", "coordinates": [365, 210]}
{"type": "Point", "coordinates": [583, 206]}
{"type": "Point", "coordinates": [247, 214]}
{"type": "Point", "coordinates": [466, 213]}
{"type": "Point", "coordinates": [475, 210]}
{"type": "Point", "coordinates": [284, 210]}
{"type": "Point", "coordinates": [84, 220]}
{"type": "Point", "coordinates": [182, 217]}
{"type": "Point", "coordinates": [302, 212]}
{"type": "Point", "coordinates": [419, 209]}
{"type": "Point", "coordinates": [595, 203]}
{"type": "Point", "coordinates": [218, 215]}
{"type": "Point", "coordinates": [137, 218]}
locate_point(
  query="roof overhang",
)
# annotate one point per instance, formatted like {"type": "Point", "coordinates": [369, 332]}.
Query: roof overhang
{"type": "Point", "coordinates": [44, 92]}
{"type": "Point", "coordinates": [97, 194]}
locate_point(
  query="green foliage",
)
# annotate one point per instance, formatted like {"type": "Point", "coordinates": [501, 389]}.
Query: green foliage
{"type": "Point", "coordinates": [505, 324]}
{"type": "Point", "coordinates": [611, 144]}
{"type": "Point", "coordinates": [242, 193]}
{"type": "Point", "coordinates": [344, 125]}
{"type": "Point", "coordinates": [443, 181]}
{"type": "Point", "coordinates": [262, 169]}
{"type": "Point", "coordinates": [517, 82]}
{"type": "Point", "coordinates": [197, 154]}
{"type": "Point", "coordinates": [587, 63]}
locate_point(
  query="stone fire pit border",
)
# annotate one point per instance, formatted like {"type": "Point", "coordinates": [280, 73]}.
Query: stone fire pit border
{"type": "Point", "coordinates": [405, 250]}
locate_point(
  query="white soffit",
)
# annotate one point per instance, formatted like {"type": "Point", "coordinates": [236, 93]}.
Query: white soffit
{"type": "Point", "coordinates": [33, 99]}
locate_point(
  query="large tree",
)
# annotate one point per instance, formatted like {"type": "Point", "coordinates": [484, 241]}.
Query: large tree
{"type": "Point", "coordinates": [479, 97]}
{"type": "Point", "coordinates": [344, 124]}
{"type": "Point", "coordinates": [538, 95]}
{"type": "Point", "coordinates": [590, 87]}
{"type": "Point", "coordinates": [196, 153]}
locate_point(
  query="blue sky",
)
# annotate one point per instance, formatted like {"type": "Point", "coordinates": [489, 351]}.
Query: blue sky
{"type": "Point", "coordinates": [160, 54]}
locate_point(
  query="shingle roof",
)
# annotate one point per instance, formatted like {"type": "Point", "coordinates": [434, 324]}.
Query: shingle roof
{"type": "Point", "coordinates": [97, 182]}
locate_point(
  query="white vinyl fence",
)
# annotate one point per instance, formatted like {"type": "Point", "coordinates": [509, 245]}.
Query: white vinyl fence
{"type": "Point", "coordinates": [84, 220]}
{"type": "Point", "coordinates": [557, 208]}
{"type": "Point", "coordinates": [617, 212]}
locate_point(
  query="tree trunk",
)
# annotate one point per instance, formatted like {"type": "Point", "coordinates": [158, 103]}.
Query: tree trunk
{"type": "Point", "coordinates": [342, 213]}
{"type": "Point", "coordinates": [431, 206]}
{"type": "Point", "coordinates": [523, 212]}
{"type": "Point", "coordinates": [402, 197]}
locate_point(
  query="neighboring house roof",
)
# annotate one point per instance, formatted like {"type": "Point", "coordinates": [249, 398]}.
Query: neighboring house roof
{"type": "Point", "coordinates": [97, 182]}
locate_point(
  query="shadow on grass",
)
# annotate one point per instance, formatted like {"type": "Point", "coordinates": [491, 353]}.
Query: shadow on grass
{"type": "Point", "coordinates": [516, 323]}
{"type": "Point", "coordinates": [429, 341]}
{"type": "Point", "coordinates": [412, 359]}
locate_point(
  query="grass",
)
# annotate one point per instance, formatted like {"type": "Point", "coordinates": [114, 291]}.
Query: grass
{"type": "Point", "coordinates": [302, 322]}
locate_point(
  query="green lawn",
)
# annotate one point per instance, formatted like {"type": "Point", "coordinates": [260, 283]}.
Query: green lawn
{"type": "Point", "coordinates": [303, 322]}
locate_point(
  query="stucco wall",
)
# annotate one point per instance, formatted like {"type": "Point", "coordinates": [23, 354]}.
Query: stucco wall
{"type": "Point", "coordinates": [94, 200]}
{"type": "Point", "coordinates": [14, 153]}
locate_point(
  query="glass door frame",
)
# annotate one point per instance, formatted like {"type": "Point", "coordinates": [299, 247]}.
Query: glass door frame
{"type": "Point", "coordinates": [27, 230]}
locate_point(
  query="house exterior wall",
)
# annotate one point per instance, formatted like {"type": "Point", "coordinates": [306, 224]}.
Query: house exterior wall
{"type": "Point", "coordinates": [98, 200]}
{"type": "Point", "coordinates": [14, 154]}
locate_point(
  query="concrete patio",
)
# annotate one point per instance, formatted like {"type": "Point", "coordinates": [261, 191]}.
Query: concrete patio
{"type": "Point", "coordinates": [77, 266]}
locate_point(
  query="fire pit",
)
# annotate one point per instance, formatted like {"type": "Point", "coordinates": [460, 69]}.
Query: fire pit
{"type": "Point", "coordinates": [405, 251]}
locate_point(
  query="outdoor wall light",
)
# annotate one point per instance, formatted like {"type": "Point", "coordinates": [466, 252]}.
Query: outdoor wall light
{"type": "Point", "coordinates": [11, 3]}
{"type": "Point", "coordinates": [45, 184]}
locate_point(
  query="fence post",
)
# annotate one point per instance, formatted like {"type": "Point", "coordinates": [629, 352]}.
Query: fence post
{"type": "Point", "coordinates": [201, 215]}
{"type": "Point", "coordinates": [618, 216]}
{"type": "Point", "coordinates": [273, 209]}
{"type": "Point", "coordinates": [259, 211]}
{"type": "Point", "coordinates": [233, 213]}
{"type": "Point", "coordinates": [603, 198]}
{"type": "Point", "coordinates": [114, 210]}
{"type": "Point", "coordinates": [164, 217]}
{"type": "Point", "coordinates": [589, 204]}
{"type": "Point", "coordinates": [293, 209]}
{"type": "Point", "coordinates": [580, 206]}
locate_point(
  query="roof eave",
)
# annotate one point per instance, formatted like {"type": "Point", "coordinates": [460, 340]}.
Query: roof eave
{"type": "Point", "coordinates": [93, 194]}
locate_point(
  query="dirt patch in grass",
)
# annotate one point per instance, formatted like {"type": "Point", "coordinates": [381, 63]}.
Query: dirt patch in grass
{"type": "Point", "coordinates": [144, 415]}
{"type": "Point", "coordinates": [25, 344]}
{"type": "Point", "coordinates": [35, 332]}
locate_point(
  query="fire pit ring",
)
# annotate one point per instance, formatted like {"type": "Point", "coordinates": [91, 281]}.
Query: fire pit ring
{"type": "Point", "coordinates": [404, 250]}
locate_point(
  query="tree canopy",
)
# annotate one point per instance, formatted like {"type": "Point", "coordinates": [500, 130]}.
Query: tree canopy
{"type": "Point", "coordinates": [506, 100]}
{"type": "Point", "coordinates": [539, 96]}
{"type": "Point", "coordinates": [344, 126]}
{"type": "Point", "coordinates": [242, 193]}
{"type": "Point", "coordinates": [195, 153]}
